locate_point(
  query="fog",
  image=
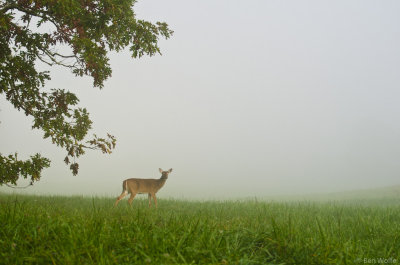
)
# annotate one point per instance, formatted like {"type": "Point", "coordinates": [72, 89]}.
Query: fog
{"type": "Point", "coordinates": [250, 98]}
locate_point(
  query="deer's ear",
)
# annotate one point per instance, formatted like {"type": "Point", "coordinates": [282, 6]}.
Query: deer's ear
{"type": "Point", "coordinates": [170, 170]}
{"type": "Point", "coordinates": [160, 170]}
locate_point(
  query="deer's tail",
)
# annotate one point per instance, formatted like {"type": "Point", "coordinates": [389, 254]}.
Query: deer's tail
{"type": "Point", "coordinates": [125, 186]}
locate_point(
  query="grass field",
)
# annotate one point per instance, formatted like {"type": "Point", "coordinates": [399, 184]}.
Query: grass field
{"type": "Point", "coordinates": [79, 230]}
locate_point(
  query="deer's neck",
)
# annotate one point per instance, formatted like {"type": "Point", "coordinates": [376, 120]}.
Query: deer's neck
{"type": "Point", "coordinates": [161, 182]}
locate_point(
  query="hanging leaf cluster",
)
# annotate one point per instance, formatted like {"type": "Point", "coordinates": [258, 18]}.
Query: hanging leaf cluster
{"type": "Point", "coordinates": [79, 36]}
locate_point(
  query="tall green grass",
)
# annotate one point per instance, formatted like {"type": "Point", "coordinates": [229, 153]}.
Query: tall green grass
{"type": "Point", "coordinates": [78, 230]}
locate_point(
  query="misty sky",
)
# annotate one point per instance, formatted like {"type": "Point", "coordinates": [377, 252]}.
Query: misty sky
{"type": "Point", "coordinates": [250, 98]}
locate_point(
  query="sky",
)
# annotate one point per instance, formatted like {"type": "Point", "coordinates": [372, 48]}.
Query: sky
{"type": "Point", "coordinates": [249, 99]}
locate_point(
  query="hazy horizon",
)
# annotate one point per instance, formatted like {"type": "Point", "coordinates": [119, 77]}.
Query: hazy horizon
{"type": "Point", "coordinates": [248, 99]}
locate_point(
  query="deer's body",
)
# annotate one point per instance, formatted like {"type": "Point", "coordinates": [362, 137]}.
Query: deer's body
{"type": "Point", "coordinates": [143, 185]}
{"type": "Point", "coordinates": [138, 186]}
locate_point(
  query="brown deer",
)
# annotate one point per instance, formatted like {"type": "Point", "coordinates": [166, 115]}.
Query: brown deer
{"type": "Point", "coordinates": [150, 186]}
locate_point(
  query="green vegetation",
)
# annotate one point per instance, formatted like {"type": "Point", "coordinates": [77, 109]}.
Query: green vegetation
{"type": "Point", "coordinates": [79, 230]}
{"type": "Point", "coordinates": [74, 35]}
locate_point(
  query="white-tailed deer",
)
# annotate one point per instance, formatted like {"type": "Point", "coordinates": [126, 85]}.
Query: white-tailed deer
{"type": "Point", "coordinates": [150, 186]}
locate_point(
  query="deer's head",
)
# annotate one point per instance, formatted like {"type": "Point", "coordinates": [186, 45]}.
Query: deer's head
{"type": "Point", "coordinates": [164, 174]}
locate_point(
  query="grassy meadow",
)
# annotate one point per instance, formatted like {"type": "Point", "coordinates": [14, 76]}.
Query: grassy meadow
{"type": "Point", "coordinates": [82, 230]}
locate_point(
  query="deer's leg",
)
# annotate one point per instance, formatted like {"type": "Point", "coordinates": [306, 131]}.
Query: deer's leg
{"type": "Point", "coordinates": [120, 197]}
{"type": "Point", "coordinates": [154, 198]}
{"type": "Point", "coordinates": [149, 200]}
{"type": "Point", "coordinates": [131, 198]}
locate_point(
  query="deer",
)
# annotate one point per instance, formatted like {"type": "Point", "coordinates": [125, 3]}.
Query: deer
{"type": "Point", "coordinates": [139, 186]}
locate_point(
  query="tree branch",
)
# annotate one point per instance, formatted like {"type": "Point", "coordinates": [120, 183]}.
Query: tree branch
{"type": "Point", "coordinates": [8, 7]}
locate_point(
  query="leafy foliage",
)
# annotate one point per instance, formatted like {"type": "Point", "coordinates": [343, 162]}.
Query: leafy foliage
{"type": "Point", "coordinates": [12, 167]}
{"type": "Point", "coordinates": [86, 31]}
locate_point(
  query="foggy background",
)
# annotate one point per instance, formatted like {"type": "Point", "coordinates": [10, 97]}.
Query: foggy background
{"type": "Point", "coordinates": [250, 98]}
